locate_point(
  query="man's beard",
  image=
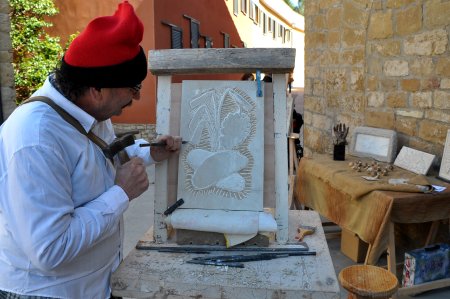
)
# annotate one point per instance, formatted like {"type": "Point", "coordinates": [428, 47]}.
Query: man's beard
{"type": "Point", "coordinates": [128, 104]}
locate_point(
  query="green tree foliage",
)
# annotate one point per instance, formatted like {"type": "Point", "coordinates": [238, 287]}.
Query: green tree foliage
{"type": "Point", "coordinates": [296, 5]}
{"type": "Point", "coordinates": [35, 53]}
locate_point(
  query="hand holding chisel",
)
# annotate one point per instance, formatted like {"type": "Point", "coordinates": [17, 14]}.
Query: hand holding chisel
{"type": "Point", "coordinates": [164, 146]}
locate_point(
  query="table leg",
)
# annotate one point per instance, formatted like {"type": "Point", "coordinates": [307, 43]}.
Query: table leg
{"type": "Point", "coordinates": [291, 202]}
{"type": "Point", "coordinates": [432, 233]}
{"type": "Point", "coordinates": [369, 249]}
{"type": "Point", "coordinates": [292, 156]}
{"type": "Point", "coordinates": [391, 260]}
{"type": "Point", "coordinates": [391, 249]}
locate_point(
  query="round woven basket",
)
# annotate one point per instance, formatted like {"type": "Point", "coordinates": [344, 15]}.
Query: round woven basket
{"type": "Point", "coordinates": [366, 281]}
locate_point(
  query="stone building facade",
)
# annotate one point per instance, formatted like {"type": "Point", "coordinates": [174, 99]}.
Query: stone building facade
{"type": "Point", "coordinates": [378, 63]}
{"type": "Point", "coordinates": [7, 93]}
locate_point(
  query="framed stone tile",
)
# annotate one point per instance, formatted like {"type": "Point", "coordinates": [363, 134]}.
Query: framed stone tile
{"type": "Point", "coordinates": [376, 143]}
{"type": "Point", "coordinates": [222, 166]}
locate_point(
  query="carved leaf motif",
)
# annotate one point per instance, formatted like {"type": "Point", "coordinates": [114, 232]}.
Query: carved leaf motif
{"type": "Point", "coordinates": [235, 129]}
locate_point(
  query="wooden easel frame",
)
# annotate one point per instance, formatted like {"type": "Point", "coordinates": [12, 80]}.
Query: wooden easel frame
{"type": "Point", "coordinates": [276, 61]}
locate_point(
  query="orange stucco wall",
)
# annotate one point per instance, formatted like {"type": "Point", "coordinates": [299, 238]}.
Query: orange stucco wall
{"type": "Point", "coordinates": [75, 14]}
{"type": "Point", "coordinates": [214, 17]}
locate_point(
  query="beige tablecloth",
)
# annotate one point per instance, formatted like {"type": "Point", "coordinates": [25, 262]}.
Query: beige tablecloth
{"type": "Point", "coordinates": [339, 193]}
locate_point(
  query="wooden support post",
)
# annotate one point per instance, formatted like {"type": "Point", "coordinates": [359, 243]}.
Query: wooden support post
{"type": "Point", "coordinates": [293, 159]}
{"type": "Point", "coordinates": [391, 261]}
{"type": "Point", "coordinates": [164, 96]}
{"type": "Point", "coordinates": [281, 175]}
{"type": "Point", "coordinates": [433, 232]}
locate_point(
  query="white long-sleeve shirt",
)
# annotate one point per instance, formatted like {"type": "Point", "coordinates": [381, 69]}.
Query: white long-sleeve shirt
{"type": "Point", "coordinates": [61, 226]}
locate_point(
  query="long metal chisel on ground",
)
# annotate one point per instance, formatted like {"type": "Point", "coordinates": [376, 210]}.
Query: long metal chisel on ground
{"type": "Point", "coordinates": [236, 260]}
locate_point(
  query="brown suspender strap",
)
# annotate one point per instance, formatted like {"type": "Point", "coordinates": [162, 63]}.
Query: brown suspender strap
{"type": "Point", "coordinates": [72, 120]}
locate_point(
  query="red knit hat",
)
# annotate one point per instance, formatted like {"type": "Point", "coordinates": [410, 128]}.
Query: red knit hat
{"type": "Point", "coordinates": [107, 53]}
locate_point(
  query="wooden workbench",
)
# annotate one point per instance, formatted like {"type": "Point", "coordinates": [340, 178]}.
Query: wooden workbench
{"type": "Point", "coordinates": [153, 274]}
{"type": "Point", "coordinates": [369, 209]}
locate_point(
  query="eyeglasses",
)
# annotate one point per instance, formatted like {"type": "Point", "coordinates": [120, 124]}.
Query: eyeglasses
{"type": "Point", "coordinates": [135, 89]}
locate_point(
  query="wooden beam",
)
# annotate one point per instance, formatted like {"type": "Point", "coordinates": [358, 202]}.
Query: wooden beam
{"type": "Point", "coordinates": [423, 287]}
{"type": "Point", "coordinates": [222, 60]}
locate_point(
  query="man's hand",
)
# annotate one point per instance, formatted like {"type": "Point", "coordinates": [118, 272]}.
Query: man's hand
{"type": "Point", "coordinates": [172, 146]}
{"type": "Point", "coordinates": [132, 177]}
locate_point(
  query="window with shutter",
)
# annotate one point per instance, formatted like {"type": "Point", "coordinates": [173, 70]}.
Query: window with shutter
{"type": "Point", "coordinates": [176, 35]}
{"type": "Point", "coordinates": [195, 31]}
{"type": "Point", "coordinates": [274, 29]}
{"type": "Point", "coordinates": [226, 39]}
{"type": "Point", "coordinates": [264, 23]}
{"type": "Point", "coordinates": [208, 41]}
{"type": "Point", "coordinates": [244, 6]}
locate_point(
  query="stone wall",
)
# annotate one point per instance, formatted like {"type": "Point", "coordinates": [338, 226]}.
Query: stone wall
{"type": "Point", "coordinates": [146, 131]}
{"type": "Point", "coordinates": [377, 63]}
{"type": "Point", "coordinates": [6, 69]}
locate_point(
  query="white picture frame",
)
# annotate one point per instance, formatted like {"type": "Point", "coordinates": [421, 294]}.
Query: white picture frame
{"type": "Point", "coordinates": [375, 143]}
{"type": "Point", "coordinates": [444, 170]}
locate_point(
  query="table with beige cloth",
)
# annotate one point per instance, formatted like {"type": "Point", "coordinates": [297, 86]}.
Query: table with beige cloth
{"type": "Point", "coordinates": [367, 208]}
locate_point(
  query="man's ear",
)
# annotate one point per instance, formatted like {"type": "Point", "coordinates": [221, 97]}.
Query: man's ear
{"type": "Point", "coordinates": [96, 94]}
{"type": "Point", "coordinates": [95, 91]}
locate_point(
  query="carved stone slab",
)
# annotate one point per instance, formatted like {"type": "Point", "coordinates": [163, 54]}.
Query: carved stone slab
{"type": "Point", "coordinates": [414, 160]}
{"type": "Point", "coordinates": [222, 167]}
